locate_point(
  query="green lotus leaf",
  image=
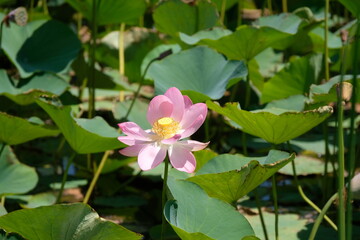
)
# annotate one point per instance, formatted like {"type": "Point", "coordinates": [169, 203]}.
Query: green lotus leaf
{"type": "Point", "coordinates": [111, 11]}
{"type": "Point", "coordinates": [294, 79]}
{"type": "Point", "coordinates": [83, 135]}
{"type": "Point", "coordinates": [175, 16]}
{"type": "Point", "coordinates": [31, 88]}
{"type": "Point", "coordinates": [40, 46]}
{"type": "Point", "coordinates": [240, 45]}
{"type": "Point", "coordinates": [230, 177]}
{"type": "Point", "coordinates": [15, 177]}
{"type": "Point", "coordinates": [199, 69]}
{"type": "Point", "coordinates": [63, 222]}
{"type": "Point", "coordinates": [275, 127]}
{"type": "Point", "coordinates": [15, 130]}
{"type": "Point", "coordinates": [195, 215]}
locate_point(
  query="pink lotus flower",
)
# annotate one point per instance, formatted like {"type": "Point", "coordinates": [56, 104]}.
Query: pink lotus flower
{"type": "Point", "coordinates": [173, 117]}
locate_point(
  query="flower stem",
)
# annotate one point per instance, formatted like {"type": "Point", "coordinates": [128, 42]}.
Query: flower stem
{"type": "Point", "coordinates": [269, 6]}
{"type": "Point", "coordinates": [306, 199]}
{"type": "Point", "coordinates": [1, 33]}
{"type": "Point", "coordinates": [46, 10]}
{"type": "Point", "coordinates": [284, 6]}
{"type": "Point", "coordinates": [91, 78]}
{"type": "Point", "coordinates": [239, 16]}
{"type": "Point", "coordinates": [326, 50]}
{"type": "Point", "coordinates": [2, 148]}
{"type": "Point", "coordinates": [96, 177]}
{"type": "Point", "coordinates": [121, 50]}
{"type": "Point", "coordinates": [69, 162]}
{"type": "Point", "coordinates": [327, 156]}
{"type": "Point", "coordinates": [341, 168]}
{"type": "Point", "coordinates": [222, 13]}
{"type": "Point", "coordinates": [321, 215]}
{"type": "Point", "coordinates": [2, 201]}
{"type": "Point", "coordinates": [163, 225]}
{"type": "Point", "coordinates": [352, 141]}
{"type": "Point", "coordinates": [261, 214]}
{"type": "Point", "coordinates": [276, 210]}
{"type": "Point", "coordinates": [139, 87]}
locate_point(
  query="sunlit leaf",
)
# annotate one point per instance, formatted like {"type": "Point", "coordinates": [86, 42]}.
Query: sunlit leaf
{"type": "Point", "coordinates": [241, 44]}
{"type": "Point", "coordinates": [294, 79]}
{"type": "Point", "coordinates": [15, 130]}
{"type": "Point", "coordinates": [230, 177]}
{"type": "Point", "coordinates": [195, 215]}
{"type": "Point", "coordinates": [40, 46]}
{"type": "Point", "coordinates": [274, 128]}
{"type": "Point", "coordinates": [83, 135]}
{"type": "Point", "coordinates": [15, 177]}
{"type": "Point", "coordinates": [68, 222]}
{"type": "Point", "coordinates": [111, 11]}
{"type": "Point", "coordinates": [175, 16]}
{"type": "Point", "coordinates": [199, 69]}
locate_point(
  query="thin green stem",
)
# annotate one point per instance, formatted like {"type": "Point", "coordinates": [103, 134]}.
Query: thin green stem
{"type": "Point", "coordinates": [269, 6]}
{"type": "Point", "coordinates": [239, 16]}
{"type": "Point", "coordinates": [258, 205]}
{"type": "Point", "coordinates": [341, 164]}
{"type": "Point", "coordinates": [2, 148]}
{"type": "Point", "coordinates": [244, 143]}
{"type": "Point", "coordinates": [31, 10]}
{"type": "Point", "coordinates": [65, 174]}
{"type": "Point", "coordinates": [139, 87]}
{"type": "Point", "coordinates": [276, 208]}
{"type": "Point", "coordinates": [352, 140]}
{"type": "Point", "coordinates": [46, 10]}
{"type": "Point", "coordinates": [1, 33]}
{"type": "Point", "coordinates": [321, 215]}
{"type": "Point", "coordinates": [307, 200]}
{"type": "Point", "coordinates": [2, 201]}
{"type": "Point", "coordinates": [91, 78]}
{"type": "Point", "coordinates": [327, 156]}
{"type": "Point", "coordinates": [326, 50]}
{"type": "Point", "coordinates": [164, 190]}
{"type": "Point", "coordinates": [122, 50]}
{"type": "Point", "coordinates": [96, 176]}
{"type": "Point", "coordinates": [223, 10]}
{"type": "Point", "coordinates": [284, 6]}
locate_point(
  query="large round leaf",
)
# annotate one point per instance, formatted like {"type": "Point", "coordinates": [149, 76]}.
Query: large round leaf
{"type": "Point", "coordinates": [15, 130]}
{"type": "Point", "coordinates": [83, 135]}
{"type": "Point", "coordinates": [294, 79]}
{"type": "Point", "coordinates": [195, 215]}
{"type": "Point", "coordinates": [274, 128]}
{"type": "Point", "coordinates": [230, 177]}
{"type": "Point", "coordinates": [40, 46]}
{"type": "Point", "coordinates": [111, 11]}
{"type": "Point", "coordinates": [199, 69]}
{"type": "Point", "coordinates": [31, 88]}
{"type": "Point", "coordinates": [246, 42]}
{"type": "Point", "coordinates": [63, 222]}
{"type": "Point", "coordinates": [175, 16]}
{"type": "Point", "coordinates": [15, 177]}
